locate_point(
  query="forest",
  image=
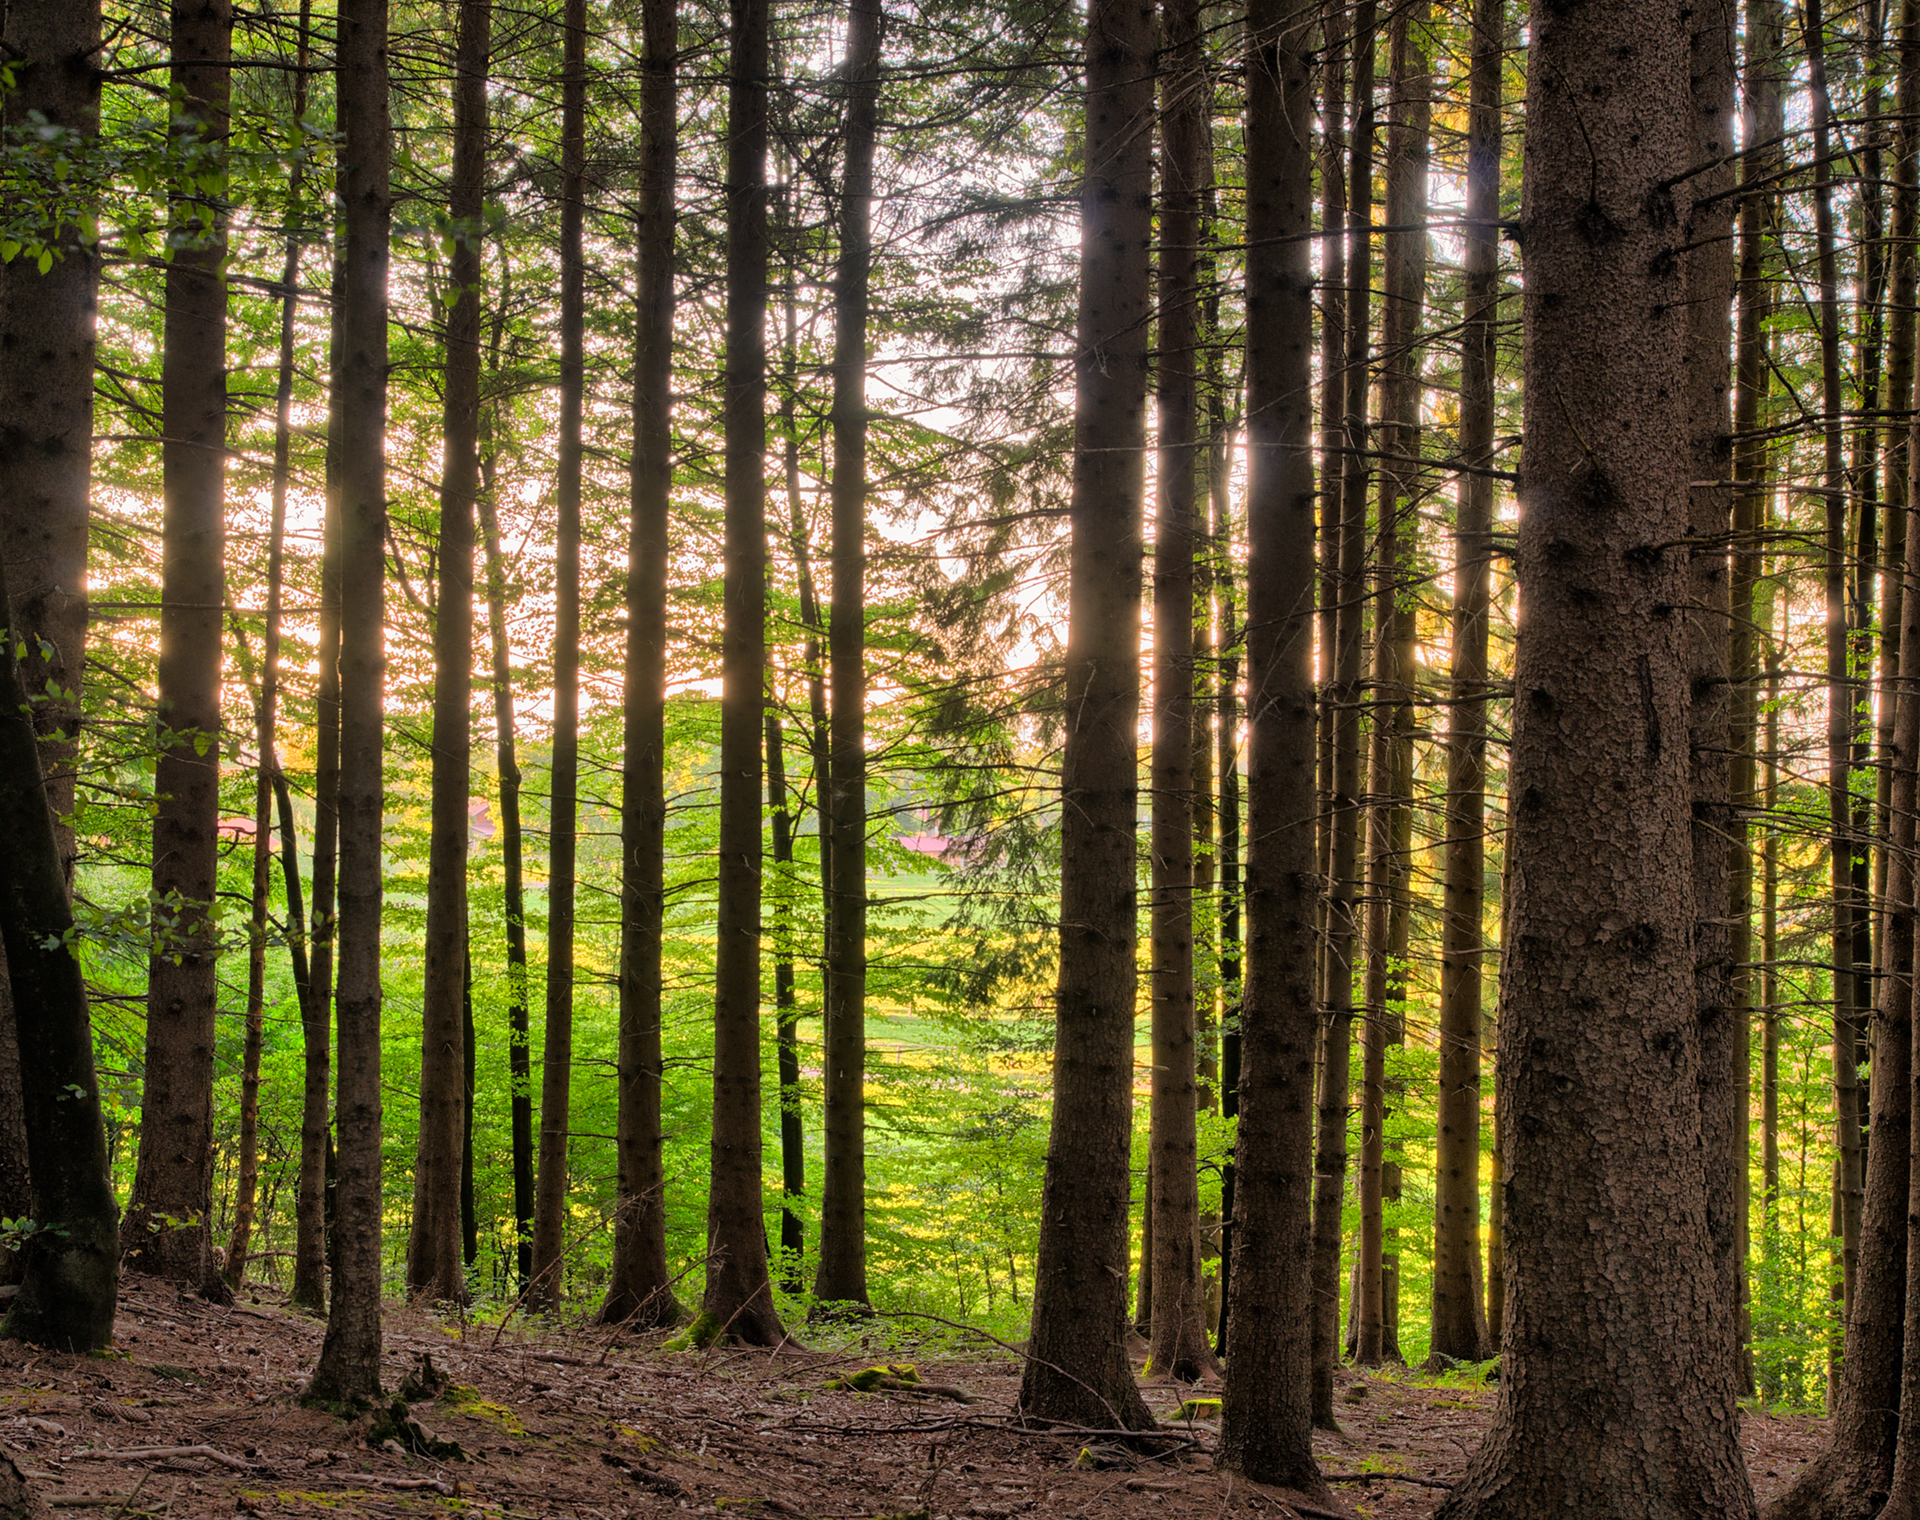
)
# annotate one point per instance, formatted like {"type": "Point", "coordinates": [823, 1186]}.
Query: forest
{"type": "Point", "coordinates": [960, 757]}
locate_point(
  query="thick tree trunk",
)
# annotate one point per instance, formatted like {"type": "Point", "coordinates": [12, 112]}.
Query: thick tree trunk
{"type": "Point", "coordinates": [70, 1278]}
{"type": "Point", "coordinates": [842, 1275]}
{"type": "Point", "coordinates": [1268, 1433]}
{"type": "Point", "coordinates": [640, 1291]}
{"type": "Point", "coordinates": [166, 1230]}
{"type": "Point", "coordinates": [1178, 1344]}
{"type": "Point", "coordinates": [350, 1357]}
{"type": "Point", "coordinates": [1390, 771]}
{"type": "Point", "coordinates": [46, 372]}
{"type": "Point", "coordinates": [1459, 1317]}
{"type": "Point", "coordinates": [738, 1302]}
{"type": "Point", "coordinates": [436, 1267]}
{"type": "Point", "coordinates": [1343, 886]}
{"type": "Point", "coordinates": [246, 1190]}
{"type": "Point", "coordinates": [556, 1070]}
{"type": "Point", "coordinates": [1078, 1370]}
{"type": "Point", "coordinates": [1619, 1404]}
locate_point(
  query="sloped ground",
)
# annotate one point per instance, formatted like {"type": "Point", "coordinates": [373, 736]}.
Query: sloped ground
{"type": "Point", "coordinates": [195, 1413]}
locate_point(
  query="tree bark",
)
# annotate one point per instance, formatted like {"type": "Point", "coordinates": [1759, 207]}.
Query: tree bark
{"type": "Point", "coordinates": [46, 372]}
{"type": "Point", "coordinates": [349, 1366]}
{"type": "Point", "coordinates": [1221, 509]}
{"type": "Point", "coordinates": [842, 1275]}
{"type": "Point", "coordinates": [1178, 1344]}
{"type": "Point", "coordinates": [166, 1230]}
{"type": "Point", "coordinates": [1078, 1370]}
{"type": "Point", "coordinates": [640, 1291]}
{"type": "Point", "coordinates": [1618, 1404]}
{"type": "Point", "coordinates": [556, 1071]}
{"type": "Point", "coordinates": [738, 1302]}
{"type": "Point", "coordinates": [1268, 1431]}
{"type": "Point", "coordinates": [793, 1162]}
{"type": "Point", "coordinates": [436, 1266]}
{"type": "Point", "coordinates": [1459, 1318]}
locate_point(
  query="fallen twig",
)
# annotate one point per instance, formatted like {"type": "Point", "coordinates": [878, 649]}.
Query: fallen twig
{"type": "Point", "coordinates": [1385, 1477]}
{"type": "Point", "coordinates": [156, 1453]}
{"type": "Point", "coordinates": [438, 1485]}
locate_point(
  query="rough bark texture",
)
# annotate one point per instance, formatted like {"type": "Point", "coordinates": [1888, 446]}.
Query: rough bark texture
{"type": "Point", "coordinates": [1077, 1371]}
{"type": "Point", "coordinates": [1459, 1316]}
{"type": "Point", "coordinates": [70, 1276]}
{"type": "Point", "coordinates": [435, 1259]}
{"type": "Point", "coordinates": [1268, 1432]}
{"type": "Point", "coordinates": [640, 1290]}
{"type": "Point", "coordinates": [46, 373]}
{"type": "Point", "coordinates": [350, 1356]}
{"type": "Point", "coordinates": [1178, 1344]}
{"type": "Point", "coordinates": [556, 1068]}
{"type": "Point", "coordinates": [166, 1228]}
{"type": "Point", "coordinates": [842, 1274]}
{"type": "Point", "coordinates": [1615, 1401]}
{"type": "Point", "coordinates": [1343, 884]}
{"type": "Point", "coordinates": [738, 1303]}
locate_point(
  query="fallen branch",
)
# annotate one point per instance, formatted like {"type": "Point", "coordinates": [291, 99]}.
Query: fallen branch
{"type": "Point", "coordinates": [1385, 1477]}
{"type": "Point", "coordinates": [156, 1453]}
{"type": "Point", "coordinates": [439, 1486]}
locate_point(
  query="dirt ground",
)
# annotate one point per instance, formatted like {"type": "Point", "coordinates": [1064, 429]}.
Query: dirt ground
{"type": "Point", "coordinates": [195, 1413]}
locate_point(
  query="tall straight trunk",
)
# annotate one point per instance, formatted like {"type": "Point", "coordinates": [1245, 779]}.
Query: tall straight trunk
{"type": "Point", "coordinates": [507, 763]}
{"type": "Point", "coordinates": [1390, 770]}
{"type": "Point", "coordinates": [436, 1265]}
{"type": "Point", "coordinates": [1459, 1318]}
{"type": "Point", "coordinates": [738, 1302]}
{"type": "Point", "coordinates": [1209, 412]}
{"type": "Point", "coordinates": [1230, 958]}
{"type": "Point", "coordinates": [70, 1275]}
{"type": "Point", "coordinates": [1847, 1177]}
{"type": "Point", "coordinates": [247, 1186]}
{"type": "Point", "coordinates": [1709, 274]}
{"type": "Point", "coordinates": [46, 436]}
{"type": "Point", "coordinates": [1078, 1371]}
{"type": "Point", "coordinates": [556, 1070]}
{"type": "Point", "coordinates": [469, 1211]}
{"type": "Point", "coordinates": [350, 1357]}
{"type": "Point", "coordinates": [1330, 1146]}
{"type": "Point", "coordinates": [842, 1276]}
{"type": "Point", "coordinates": [1268, 1432]}
{"type": "Point", "coordinates": [1619, 1404]}
{"type": "Point", "coordinates": [1770, 947]}
{"type": "Point", "coordinates": [313, 1219]}
{"type": "Point", "coordinates": [166, 1228]}
{"type": "Point", "coordinates": [1333, 396]}
{"type": "Point", "coordinates": [793, 1172]}
{"type": "Point", "coordinates": [1178, 1344]}
{"type": "Point", "coordinates": [640, 1291]}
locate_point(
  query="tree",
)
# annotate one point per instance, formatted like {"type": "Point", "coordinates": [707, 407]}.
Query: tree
{"type": "Point", "coordinates": [641, 1290]}
{"type": "Point", "coordinates": [349, 1367]}
{"type": "Point", "coordinates": [166, 1229]}
{"type": "Point", "coordinates": [1178, 1341]}
{"type": "Point", "coordinates": [46, 371]}
{"type": "Point", "coordinates": [738, 1303]}
{"type": "Point", "coordinates": [556, 1074]}
{"type": "Point", "coordinates": [1268, 1432]}
{"type": "Point", "coordinates": [842, 1275]}
{"type": "Point", "coordinates": [1077, 1370]}
{"type": "Point", "coordinates": [434, 1256]}
{"type": "Point", "coordinates": [1623, 1403]}
{"type": "Point", "coordinates": [1459, 1316]}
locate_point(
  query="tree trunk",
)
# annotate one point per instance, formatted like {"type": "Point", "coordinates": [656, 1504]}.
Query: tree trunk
{"type": "Point", "coordinates": [793, 1163]}
{"type": "Point", "coordinates": [640, 1292]}
{"type": "Point", "coordinates": [166, 1231]}
{"type": "Point", "coordinates": [1268, 1432]}
{"type": "Point", "coordinates": [246, 1190]}
{"type": "Point", "coordinates": [738, 1303]}
{"type": "Point", "coordinates": [1390, 778]}
{"type": "Point", "coordinates": [1459, 1318]}
{"type": "Point", "coordinates": [436, 1267]}
{"type": "Point", "coordinates": [1230, 960]}
{"type": "Point", "coordinates": [469, 1213]}
{"type": "Point", "coordinates": [69, 1282]}
{"type": "Point", "coordinates": [842, 1276]}
{"type": "Point", "coordinates": [350, 1357]}
{"type": "Point", "coordinates": [46, 372]}
{"type": "Point", "coordinates": [1078, 1371]}
{"type": "Point", "coordinates": [1619, 1404]}
{"type": "Point", "coordinates": [1178, 1344]}
{"type": "Point", "coordinates": [556, 1071]}
{"type": "Point", "coordinates": [1330, 1148]}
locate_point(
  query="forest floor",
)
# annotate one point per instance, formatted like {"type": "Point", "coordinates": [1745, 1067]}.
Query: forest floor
{"type": "Point", "coordinates": [195, 1413]}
